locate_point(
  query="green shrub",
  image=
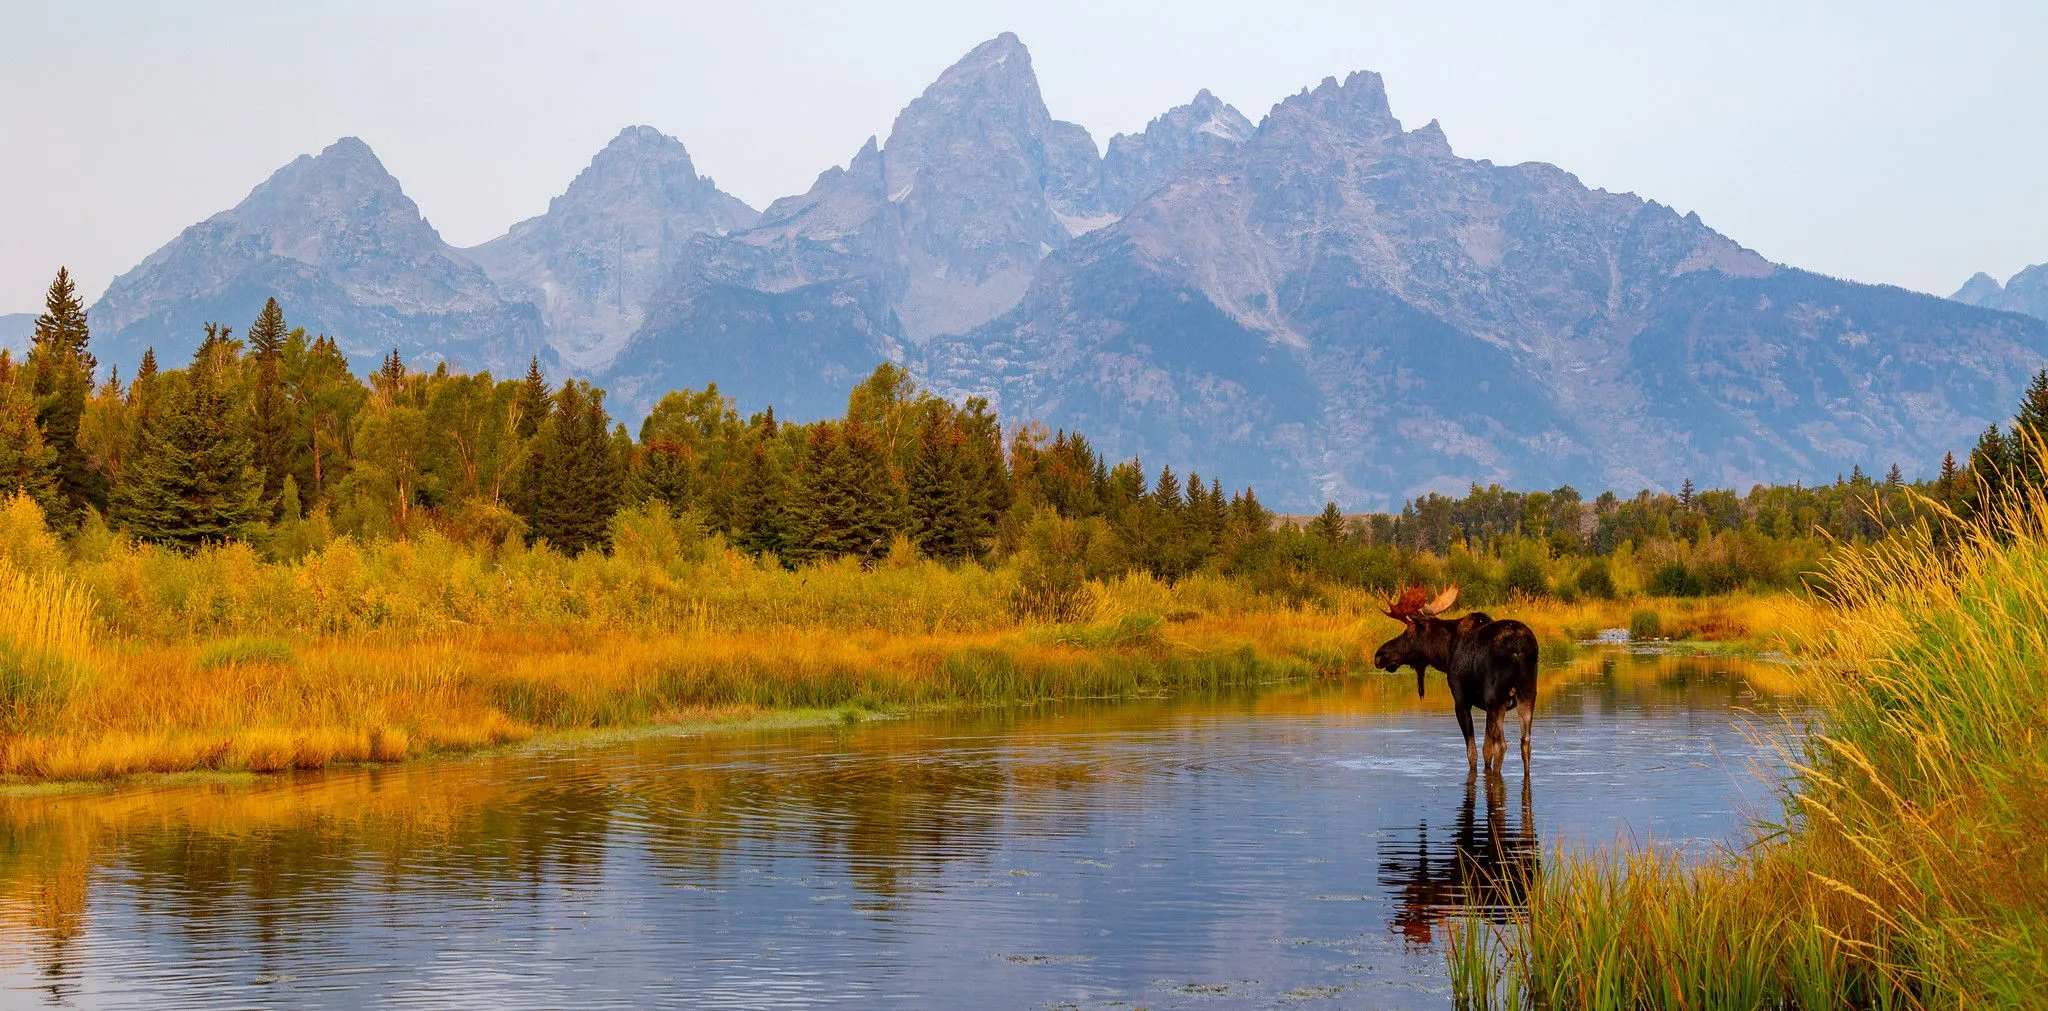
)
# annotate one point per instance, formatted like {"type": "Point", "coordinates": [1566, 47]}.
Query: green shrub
{"type": "Point", "coordinates": [1673, 579]}
{"type": "Point", "coordinates": [1595, 580]}
{"type": "Point", "coordinates": [1525, 576]}
{"type": "Point", "coordinates": [1645, 624]}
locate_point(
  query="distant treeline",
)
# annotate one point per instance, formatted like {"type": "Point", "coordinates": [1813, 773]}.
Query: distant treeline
{"type": "Point", "coordinates": [269, 438]}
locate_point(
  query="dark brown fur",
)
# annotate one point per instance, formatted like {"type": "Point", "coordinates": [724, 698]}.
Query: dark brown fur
{"type": "Point", "coordinates": [1489, 664]}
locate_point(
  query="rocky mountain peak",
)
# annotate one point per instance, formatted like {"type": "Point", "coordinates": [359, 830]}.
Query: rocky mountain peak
{"type": "Point", "coordinates": [1979, 289]}
{"type": "Point", "coordinates": [594, 260]}
{"type": "Point", "coordinates": [2024, 292]}
{"type": "Point", "coordinates": [337, 241]}
{"type": "Point", "coordinates": [1357, 106]}
{"type": "Point", "coordinates": [1138, 164]}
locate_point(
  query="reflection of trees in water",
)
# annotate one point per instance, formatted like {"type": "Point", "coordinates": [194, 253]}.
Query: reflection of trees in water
{"type": "Point", "coordinates": [1485, 866]}
{"type": "Point", "coordinates": [270, 867]}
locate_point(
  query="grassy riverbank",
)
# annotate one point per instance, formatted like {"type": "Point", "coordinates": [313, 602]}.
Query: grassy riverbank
{"type": "Point", "coordinates": [1909, 868]}
{"type": "Point", "coordinates": [118, 658]}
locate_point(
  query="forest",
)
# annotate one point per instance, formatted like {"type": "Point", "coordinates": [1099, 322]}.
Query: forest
{"type": "Point", "coordinates": [270, 440]}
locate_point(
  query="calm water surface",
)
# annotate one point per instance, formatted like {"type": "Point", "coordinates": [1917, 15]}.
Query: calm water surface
{"type": "Point", "coordinates": [1299, 845]}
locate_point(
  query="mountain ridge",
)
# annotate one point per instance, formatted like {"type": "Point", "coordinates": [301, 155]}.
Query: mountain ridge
{"type": "Point", "coordinates": [1325, 303]}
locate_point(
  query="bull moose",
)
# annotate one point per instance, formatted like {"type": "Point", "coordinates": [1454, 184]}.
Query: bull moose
{"type": "Point", "coordinates": [1490, 664]}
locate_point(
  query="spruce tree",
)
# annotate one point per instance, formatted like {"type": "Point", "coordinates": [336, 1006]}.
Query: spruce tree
{"type": "Point", "coordinates": [760, 504]}
{"type": "Point", "coordinates": [1328, 524]}
{"type": "Point", "coordinates": [573, 478]}
{"type": "Point", "coordinates": [62, 368]}
{"type": "Point", "coordinates": [270, 414]}
{"type": "Point", "coordinates": [1990, 465]}
{"type": "Point", "coordinates": [939, 508]}
{"type": "Point", "coordinates": [534, 401]}
{"type": "Point", "coordinates": [192, 481]}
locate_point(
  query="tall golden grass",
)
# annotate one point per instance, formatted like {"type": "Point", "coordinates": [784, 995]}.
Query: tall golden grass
{"type": "Point", "coordinates": [45, 643]}
{"type": "Point", "coordinates": [1909, 868]}
{"type": "Point", "coordinates": [152, 660]}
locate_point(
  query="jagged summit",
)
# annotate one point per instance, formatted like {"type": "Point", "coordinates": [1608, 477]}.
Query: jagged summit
{"type": "Point", "coordinates": [334, 237]}
{"type": "Point", "coordinates": [592, 263]}
{"type": "Point", "coordinates": [2024, 292]}
{"type": "Point", "coordinates": [1324, 304]}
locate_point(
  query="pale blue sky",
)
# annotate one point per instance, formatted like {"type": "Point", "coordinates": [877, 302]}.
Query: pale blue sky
{"type": "Point", "coordinates": [1882, 141]}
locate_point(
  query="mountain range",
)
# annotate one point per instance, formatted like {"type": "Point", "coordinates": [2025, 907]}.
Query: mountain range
{"type": "Point", "coordinates": [2025, 292]}
{"type": "Point", "coordinates": [1324, 304]}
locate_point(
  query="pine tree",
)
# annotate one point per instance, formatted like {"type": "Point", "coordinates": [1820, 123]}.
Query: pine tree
{"type": "Point", "coordinates": [270, 414]}
{"type": "Point", "coordinates": [847, 503]}
{"type": "Point", "coordinates": [1328, 524]}
{"type": "Point", "coordinates": [1685, 493]}
{"type": "Point", "coordinates": [534, 401]}
{"type": "Point", "coordinates": [191, 481]}
{"type": "Point", "coordinates": [573, 476]}
{"type": "Point", "coordinates": [939, 507]}
{"type": "Point", "coordinates": [1894, 477]}
{"type": "Point", "coordinates": [390, 377]}
{"type": "Point", "coordinates": [62, 368]}
{"type": "Point", "coordinates": [1990, 465]}
{"type": "Point", "coordinates": [760, 504]}
{"type": "Point", "coordinates": [2029, 438]}
{"type": "Point", "coordinates": [1950, 480]}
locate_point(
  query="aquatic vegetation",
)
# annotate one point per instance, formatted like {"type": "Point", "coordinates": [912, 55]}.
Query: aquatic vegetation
{"type": "Point", "coordinates": [1908, 868]}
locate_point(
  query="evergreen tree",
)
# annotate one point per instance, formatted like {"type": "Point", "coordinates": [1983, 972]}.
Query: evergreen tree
{"type": "Point", "coordinates": [573, 476]}
{"type": "Point", "coordinates": [1990, 465]}
{"type": "Point", "coordinates": [939, 507]}
{"type": "Point", "coordinates": [1947, 485]}
{"type": "Point", "coordinates": [534, 401]}
{"type": "Point", "coordinates": [191, 481]}
{"type": "Point", "coordinates": [847, 503]}
{"type": "Point", "coordinates": [1685, 493]}
{"type": "Point", "coordinates": [2029, 438]}
{"type": "Point", "coordinates": [270, 413]}
{"type": "Point", "coordinates": [760, 503]}
{"type": "Point", "coordinates": [62, 369]}
{"type": "Point", "coordinates": [1895, 477]}
{"type": "Point", "coordinates": [1328, 524]}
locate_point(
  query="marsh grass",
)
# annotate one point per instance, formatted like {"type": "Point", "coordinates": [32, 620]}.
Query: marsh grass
{"type": "Point", "coordinates": [122, 658]}
{"type": "Point", "coordinates": [1907, 869]}
{"type": "Point", "coordinates": [45, 643]}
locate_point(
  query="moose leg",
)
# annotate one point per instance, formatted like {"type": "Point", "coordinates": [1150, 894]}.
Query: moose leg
{"type": "Point", "coordinates": [1465, 724]}
{"type": "Point", "coordinates": [1527, 708]}
{"type": "Point", "coordinates": [1496, 738]}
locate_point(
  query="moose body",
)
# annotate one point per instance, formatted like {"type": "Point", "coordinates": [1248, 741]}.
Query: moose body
{"type": "Point", "coordinates": [1486, 663]}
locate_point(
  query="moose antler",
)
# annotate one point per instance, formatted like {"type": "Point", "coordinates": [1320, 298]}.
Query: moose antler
{"type": "Point", "coordinates": [1410, 603]}
{"type": "Point", "coordinates": [1414, 601]}
{"type": "Point", "coordinates": [1442, 602]}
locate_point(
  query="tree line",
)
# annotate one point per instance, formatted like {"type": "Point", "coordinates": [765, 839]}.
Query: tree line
{"type": "Point", "coordinates": [272, 439]}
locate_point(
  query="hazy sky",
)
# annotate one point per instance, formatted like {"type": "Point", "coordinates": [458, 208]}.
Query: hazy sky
{"type": "Point", "coordinates": [1881, 141]}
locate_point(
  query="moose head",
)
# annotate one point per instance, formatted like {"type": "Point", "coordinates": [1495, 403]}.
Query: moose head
{"type": "Point", "coordinates": [1423, 641]}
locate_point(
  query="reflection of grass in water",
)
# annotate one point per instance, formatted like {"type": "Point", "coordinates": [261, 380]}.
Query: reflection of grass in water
{"type": "Point", "coordinates": [1911, 869]}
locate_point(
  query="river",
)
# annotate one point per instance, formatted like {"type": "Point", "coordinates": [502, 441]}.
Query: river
{"type": "Point", "coordinates": [1296, 845]}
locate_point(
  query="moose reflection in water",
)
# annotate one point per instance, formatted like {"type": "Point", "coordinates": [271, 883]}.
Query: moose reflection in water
{"type": "Point", "coordinates": [1481, 867]}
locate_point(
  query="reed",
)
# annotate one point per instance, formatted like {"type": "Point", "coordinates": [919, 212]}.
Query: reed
{"type": "Point", "coordinates": [1907, 868]}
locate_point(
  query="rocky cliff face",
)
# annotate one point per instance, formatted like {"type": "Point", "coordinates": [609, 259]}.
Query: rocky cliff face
{"type": "Point", "coordinates": [591, 264]}
{"type": "Point", "coordinates": [932, 233]}
{"type": "Point", "coordinates": [342, 247]}
{"type": "Point", "coordinates": [1338, 307]}
{"type": "Point", "coordinates": [2025, 292]}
